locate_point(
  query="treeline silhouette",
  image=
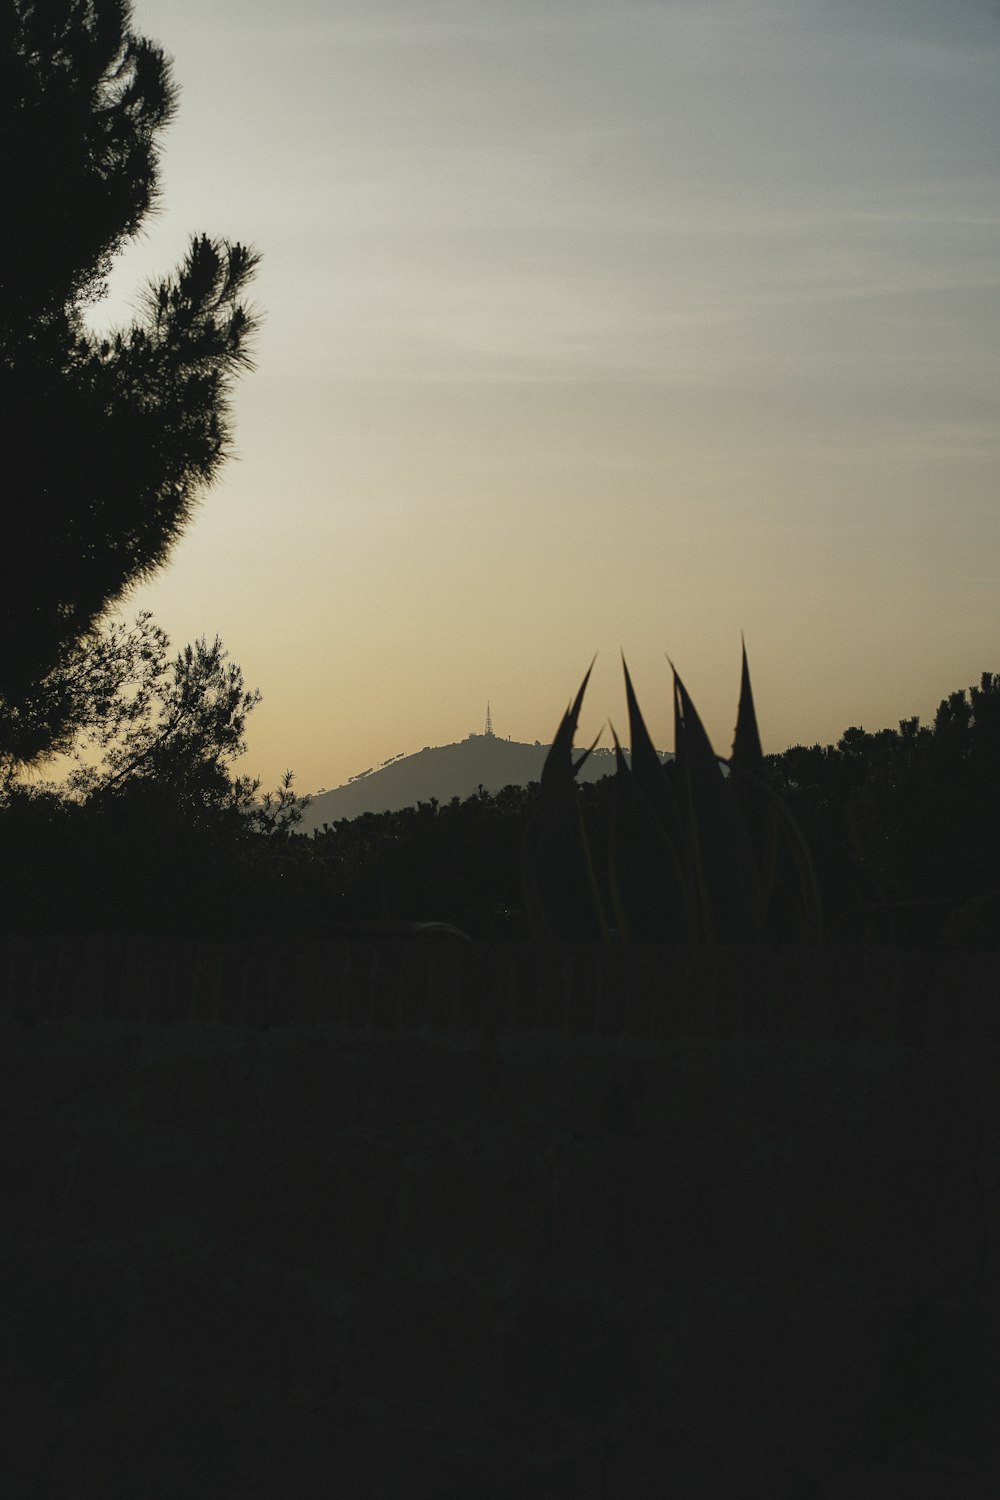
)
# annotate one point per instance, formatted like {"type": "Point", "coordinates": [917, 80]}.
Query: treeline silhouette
{"type": "Point", "coordinates": [902, 826]}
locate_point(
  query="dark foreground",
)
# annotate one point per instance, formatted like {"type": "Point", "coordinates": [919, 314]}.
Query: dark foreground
{"type": "Point", "coordinates": [510, 1233]}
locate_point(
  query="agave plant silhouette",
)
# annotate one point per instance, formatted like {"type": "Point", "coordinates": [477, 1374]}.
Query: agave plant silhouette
{"type": "Point", "coordinates": [701, 851]}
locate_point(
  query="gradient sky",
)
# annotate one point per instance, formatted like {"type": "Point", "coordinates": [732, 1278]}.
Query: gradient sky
{"type": "Point", "coordinates": [592, 326]}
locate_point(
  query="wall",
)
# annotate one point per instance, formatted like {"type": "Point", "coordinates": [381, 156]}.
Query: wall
{"type": "Point", "coordinates": [425, 1257]}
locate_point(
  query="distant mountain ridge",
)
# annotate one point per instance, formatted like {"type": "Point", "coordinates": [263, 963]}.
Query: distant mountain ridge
{"type": "Point", "coordinates": [442, 772]}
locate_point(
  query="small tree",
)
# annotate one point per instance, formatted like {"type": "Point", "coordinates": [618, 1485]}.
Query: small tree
{"type": "Point", "coordinates": [107, 441]}
{"type": "Point", "coordinates": [167, 730]}
{"type": "Point", "coordinates": [171, 728]}
{"type": "Point", "coordinates": [150, 826]}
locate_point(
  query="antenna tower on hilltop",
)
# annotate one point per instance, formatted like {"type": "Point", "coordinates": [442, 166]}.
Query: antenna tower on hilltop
{"type": "Point", "coordinates": [489, 723]}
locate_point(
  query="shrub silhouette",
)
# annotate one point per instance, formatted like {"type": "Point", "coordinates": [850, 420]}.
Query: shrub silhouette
{"type": "Point", "coordinates": [697, 852]}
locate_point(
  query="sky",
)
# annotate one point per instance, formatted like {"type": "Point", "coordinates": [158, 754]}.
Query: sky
{"type": "Point", "coordinates": [591, 327]}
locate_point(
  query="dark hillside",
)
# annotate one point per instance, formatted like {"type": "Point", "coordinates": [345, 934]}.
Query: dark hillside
{"type": "Point", "coordinates": [442, 772]}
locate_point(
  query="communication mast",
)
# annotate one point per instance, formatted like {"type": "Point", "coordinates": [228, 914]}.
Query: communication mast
{"type": "Point", "coordinates": [489, 723]}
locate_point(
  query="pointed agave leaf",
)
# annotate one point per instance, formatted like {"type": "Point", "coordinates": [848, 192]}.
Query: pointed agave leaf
{"type": "Point", "coordinates": [559, 761]}
{"type": "Point", "coordinates": [790, 895]}
{"type": "Point", "coordinates": [723, 869]}
{"type": "Point", "coordinates": [747, 749]}
{"type": "Point", "coordinates": [588, 752]}
{"type": "Point", "coordinates": [748, 755]}
{"type": "Point", "coordinates": [647, 768]}
{"type": "Point", "coordinates": [645, 876]}
{"type": "Point", "coordinates": [560, 892]}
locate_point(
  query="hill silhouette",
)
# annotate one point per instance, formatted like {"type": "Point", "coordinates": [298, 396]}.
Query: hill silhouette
{"type": "Point", "coordinates": [442, 772]}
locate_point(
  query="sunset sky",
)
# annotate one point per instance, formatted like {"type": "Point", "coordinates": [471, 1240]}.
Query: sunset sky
{"type": "Point", "coordinates": [591, 326]}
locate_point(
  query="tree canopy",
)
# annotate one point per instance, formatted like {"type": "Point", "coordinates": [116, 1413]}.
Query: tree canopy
{"type": "Point", "coordinates": [108, 440]}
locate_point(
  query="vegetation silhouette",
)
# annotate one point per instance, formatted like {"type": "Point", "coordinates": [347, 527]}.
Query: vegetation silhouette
{"type": "Point", "coordinates": [906, 823]}
{"type": "Point", "coordinates": [694, 855]}
{"type": "Point", "coordinates": [149, 815]}
{"type": "Point", "coordinates": [898, 831]}
{"type": "Point", "coordinates": [157, 834]}
{"type": "Point", "coordinates": [108, 439]}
